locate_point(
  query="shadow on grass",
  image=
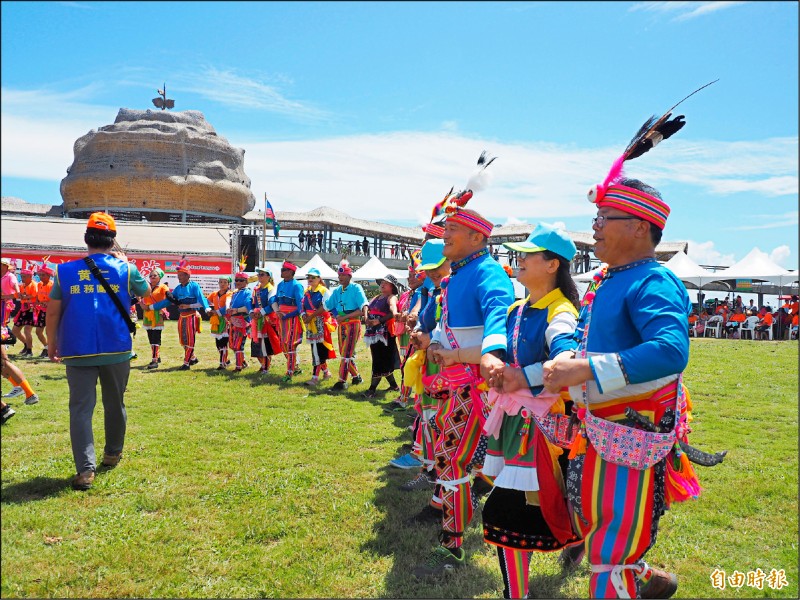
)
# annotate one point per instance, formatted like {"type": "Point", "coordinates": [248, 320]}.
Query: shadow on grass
{"type": "Point", "coordinates": [37, 488]}
{"type": "Point", "coordinates": [410, 544]}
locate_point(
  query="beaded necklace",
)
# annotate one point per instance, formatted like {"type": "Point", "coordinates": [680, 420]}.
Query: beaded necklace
{"type": "Point", "coordinates": [455, 266]}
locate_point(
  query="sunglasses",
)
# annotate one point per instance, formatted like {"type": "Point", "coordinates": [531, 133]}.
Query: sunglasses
{"type": "Point", "coordinates": [240, 279]}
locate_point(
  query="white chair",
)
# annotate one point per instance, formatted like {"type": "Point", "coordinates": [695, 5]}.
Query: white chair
{"type": "Point", "coordinates": [713, 325]}
{"type": "Point", "coordinates": [768, 331]}
{"type": "Point", "coordinates": [747, 327]}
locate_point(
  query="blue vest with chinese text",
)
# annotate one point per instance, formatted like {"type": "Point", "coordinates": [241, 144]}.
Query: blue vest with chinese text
{"type": "Point", "coordinates": [90, 323]}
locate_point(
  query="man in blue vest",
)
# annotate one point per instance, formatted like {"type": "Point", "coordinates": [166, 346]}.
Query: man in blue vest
{"type": "Point", "coordinates": [88, 332]}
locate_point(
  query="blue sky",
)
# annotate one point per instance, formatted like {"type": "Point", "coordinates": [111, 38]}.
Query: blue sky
{"type": "Point", "coordinates": [377, 109]}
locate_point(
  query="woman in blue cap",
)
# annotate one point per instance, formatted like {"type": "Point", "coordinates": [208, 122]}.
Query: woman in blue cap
{"type": "Point", "coordinates": [319, 326]}
{"type": "Point", "coordinates": [527, 510]}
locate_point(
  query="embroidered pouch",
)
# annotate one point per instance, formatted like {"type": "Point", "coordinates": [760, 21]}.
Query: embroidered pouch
{"type": "Point", "coordinates": [555, 428]}
{"type": "Point", "coordinates": [625, 446]}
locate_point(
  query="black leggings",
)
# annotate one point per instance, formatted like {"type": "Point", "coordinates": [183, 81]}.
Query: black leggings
{"type": "Point", "coordinates": [154, 336]}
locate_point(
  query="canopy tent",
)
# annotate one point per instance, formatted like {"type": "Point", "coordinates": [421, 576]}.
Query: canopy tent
{"type": "Point", "coordinates": [316, 261]}
{"type": "Point", "coordinates": [756, 265]}
{"type": "Point", "coordinates": [689, 271]}
{"type": "Point", "coordinates": [375, 269]}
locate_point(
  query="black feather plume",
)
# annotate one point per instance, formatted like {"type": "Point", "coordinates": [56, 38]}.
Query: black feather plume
{"type": "Point", "coordinates": [655, 130]}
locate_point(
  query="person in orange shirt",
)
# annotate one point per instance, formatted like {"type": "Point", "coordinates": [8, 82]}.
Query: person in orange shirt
{"type": "Point", "coordinates": [763, 325]}
{"type": "Point", "coordinates": [737, 318]}
{"type": "Point", "coordinates": [40, 306]}
{"type": "Point", "coordinates": [723, 310]}
{"type": "Point", "coordinates": [154, 319]}
{"type": "Point", "coordinates": [693, 318]}
{"type": "Point", "coordinates": [23, 323]}
{"type": "Point", "coordinates": [219, 302]}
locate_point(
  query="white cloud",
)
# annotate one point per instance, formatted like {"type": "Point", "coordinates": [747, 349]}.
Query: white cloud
{"type": "Point", "coordinates": [704, 253]}
{"type": "Point", "coordinates": [77, 5]}
{"type": "Point", "coordinates": [390, 176]}
{"type": "Point", "coordinates": [232, 89]}
{"type": "Point", "coordinates": [789, 219]}
{"type": "Point", "coordinates": [780, 255]}
{"type": "Point", "coordinates": [684, 11]}
{"type": "Point", "coordinates": [556, 224]}
{"type": "Point", "coordinates": [514, 221]}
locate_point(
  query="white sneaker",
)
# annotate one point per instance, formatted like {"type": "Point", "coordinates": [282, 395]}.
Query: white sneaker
{"type": "Point", "coordinates": [15, 391]}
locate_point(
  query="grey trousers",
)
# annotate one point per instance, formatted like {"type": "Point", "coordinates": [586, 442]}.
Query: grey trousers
{"type": "Point", "coordinates": [82, 400]}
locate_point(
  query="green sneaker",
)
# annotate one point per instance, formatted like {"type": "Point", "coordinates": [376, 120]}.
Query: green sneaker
{"type": "Point", "coordinates": [442, 560]}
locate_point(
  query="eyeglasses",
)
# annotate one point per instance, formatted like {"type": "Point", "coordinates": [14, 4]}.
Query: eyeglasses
{"type": "Point", "coordinates": [600, 221]}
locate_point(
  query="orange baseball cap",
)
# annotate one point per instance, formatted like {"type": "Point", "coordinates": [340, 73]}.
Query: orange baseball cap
{"type": "Point", "coordinates": [103, 222]}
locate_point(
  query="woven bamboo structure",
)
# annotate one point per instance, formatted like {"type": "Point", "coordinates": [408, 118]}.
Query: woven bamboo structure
{"type": "Point", "coordinates": [166, 166]}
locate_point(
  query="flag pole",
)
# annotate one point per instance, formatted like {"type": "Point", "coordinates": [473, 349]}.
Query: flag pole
{"type": "Point", "coordinates": [264, 236]}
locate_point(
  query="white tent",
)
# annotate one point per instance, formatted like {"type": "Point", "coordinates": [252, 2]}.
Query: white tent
{"type": "Point", "coordinates": [375, 269]}
{"type": "Point", "coordinates": [756, 265]}
{"type": "Point", "coordinates": [689, 271]}
{"type": "Point", "coordinates": [316, 261]}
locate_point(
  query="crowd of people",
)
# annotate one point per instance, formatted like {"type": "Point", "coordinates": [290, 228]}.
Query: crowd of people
{"type": "Point", "coordinates": [735, 318]}
{"type": "Point", "coordinates": [567, 430]}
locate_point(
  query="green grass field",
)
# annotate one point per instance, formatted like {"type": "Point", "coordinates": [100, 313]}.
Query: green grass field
{"type": "Point", "coordinates": [234, 485]}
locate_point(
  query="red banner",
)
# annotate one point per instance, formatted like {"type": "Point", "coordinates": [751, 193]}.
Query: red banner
{"type": "Point", "coordinates": [205, 270]}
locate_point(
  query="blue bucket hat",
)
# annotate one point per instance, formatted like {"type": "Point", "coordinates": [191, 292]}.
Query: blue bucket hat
{"type": "Point", "coordinates": [546, 237]}
{"type": "Point", "coordinates": [431, 256]}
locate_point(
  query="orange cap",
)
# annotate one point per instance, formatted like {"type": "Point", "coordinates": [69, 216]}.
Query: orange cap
{"type": "Point", "coordinates": [102, 221]}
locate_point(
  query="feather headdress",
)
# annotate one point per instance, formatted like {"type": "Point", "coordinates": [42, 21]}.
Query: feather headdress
{"type": "Point", "coordinates": [344, 268]}
{"type": "Point", "coordinates": [243, 262]}
{"type": "Point", "coordinates": [477, 181]}
{"type": "Point", "coordinates": [650, 134]}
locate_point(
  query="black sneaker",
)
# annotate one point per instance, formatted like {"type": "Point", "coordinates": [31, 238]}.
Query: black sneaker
{"type": "Point", "coordinates": [422, 481]}
{"type": "Point", "coordinates": [193, 361]}
{"type": "Point", "coordinates": [221, 368]}
{"type": "Point", "coordinates": [427, 516]}
{"type": "Point", "coordinates": [43, 354]}
{"type": "Point", "coordinates": [357, 379]}
{"type": "Point", "coordinates": [152, 365]}
{"type": "Point", "coordinates": [339, 386]}
{"type": "Point", "coordinates": [8, 412]}
{"type": "Point", "coordinates": [184, 368]}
